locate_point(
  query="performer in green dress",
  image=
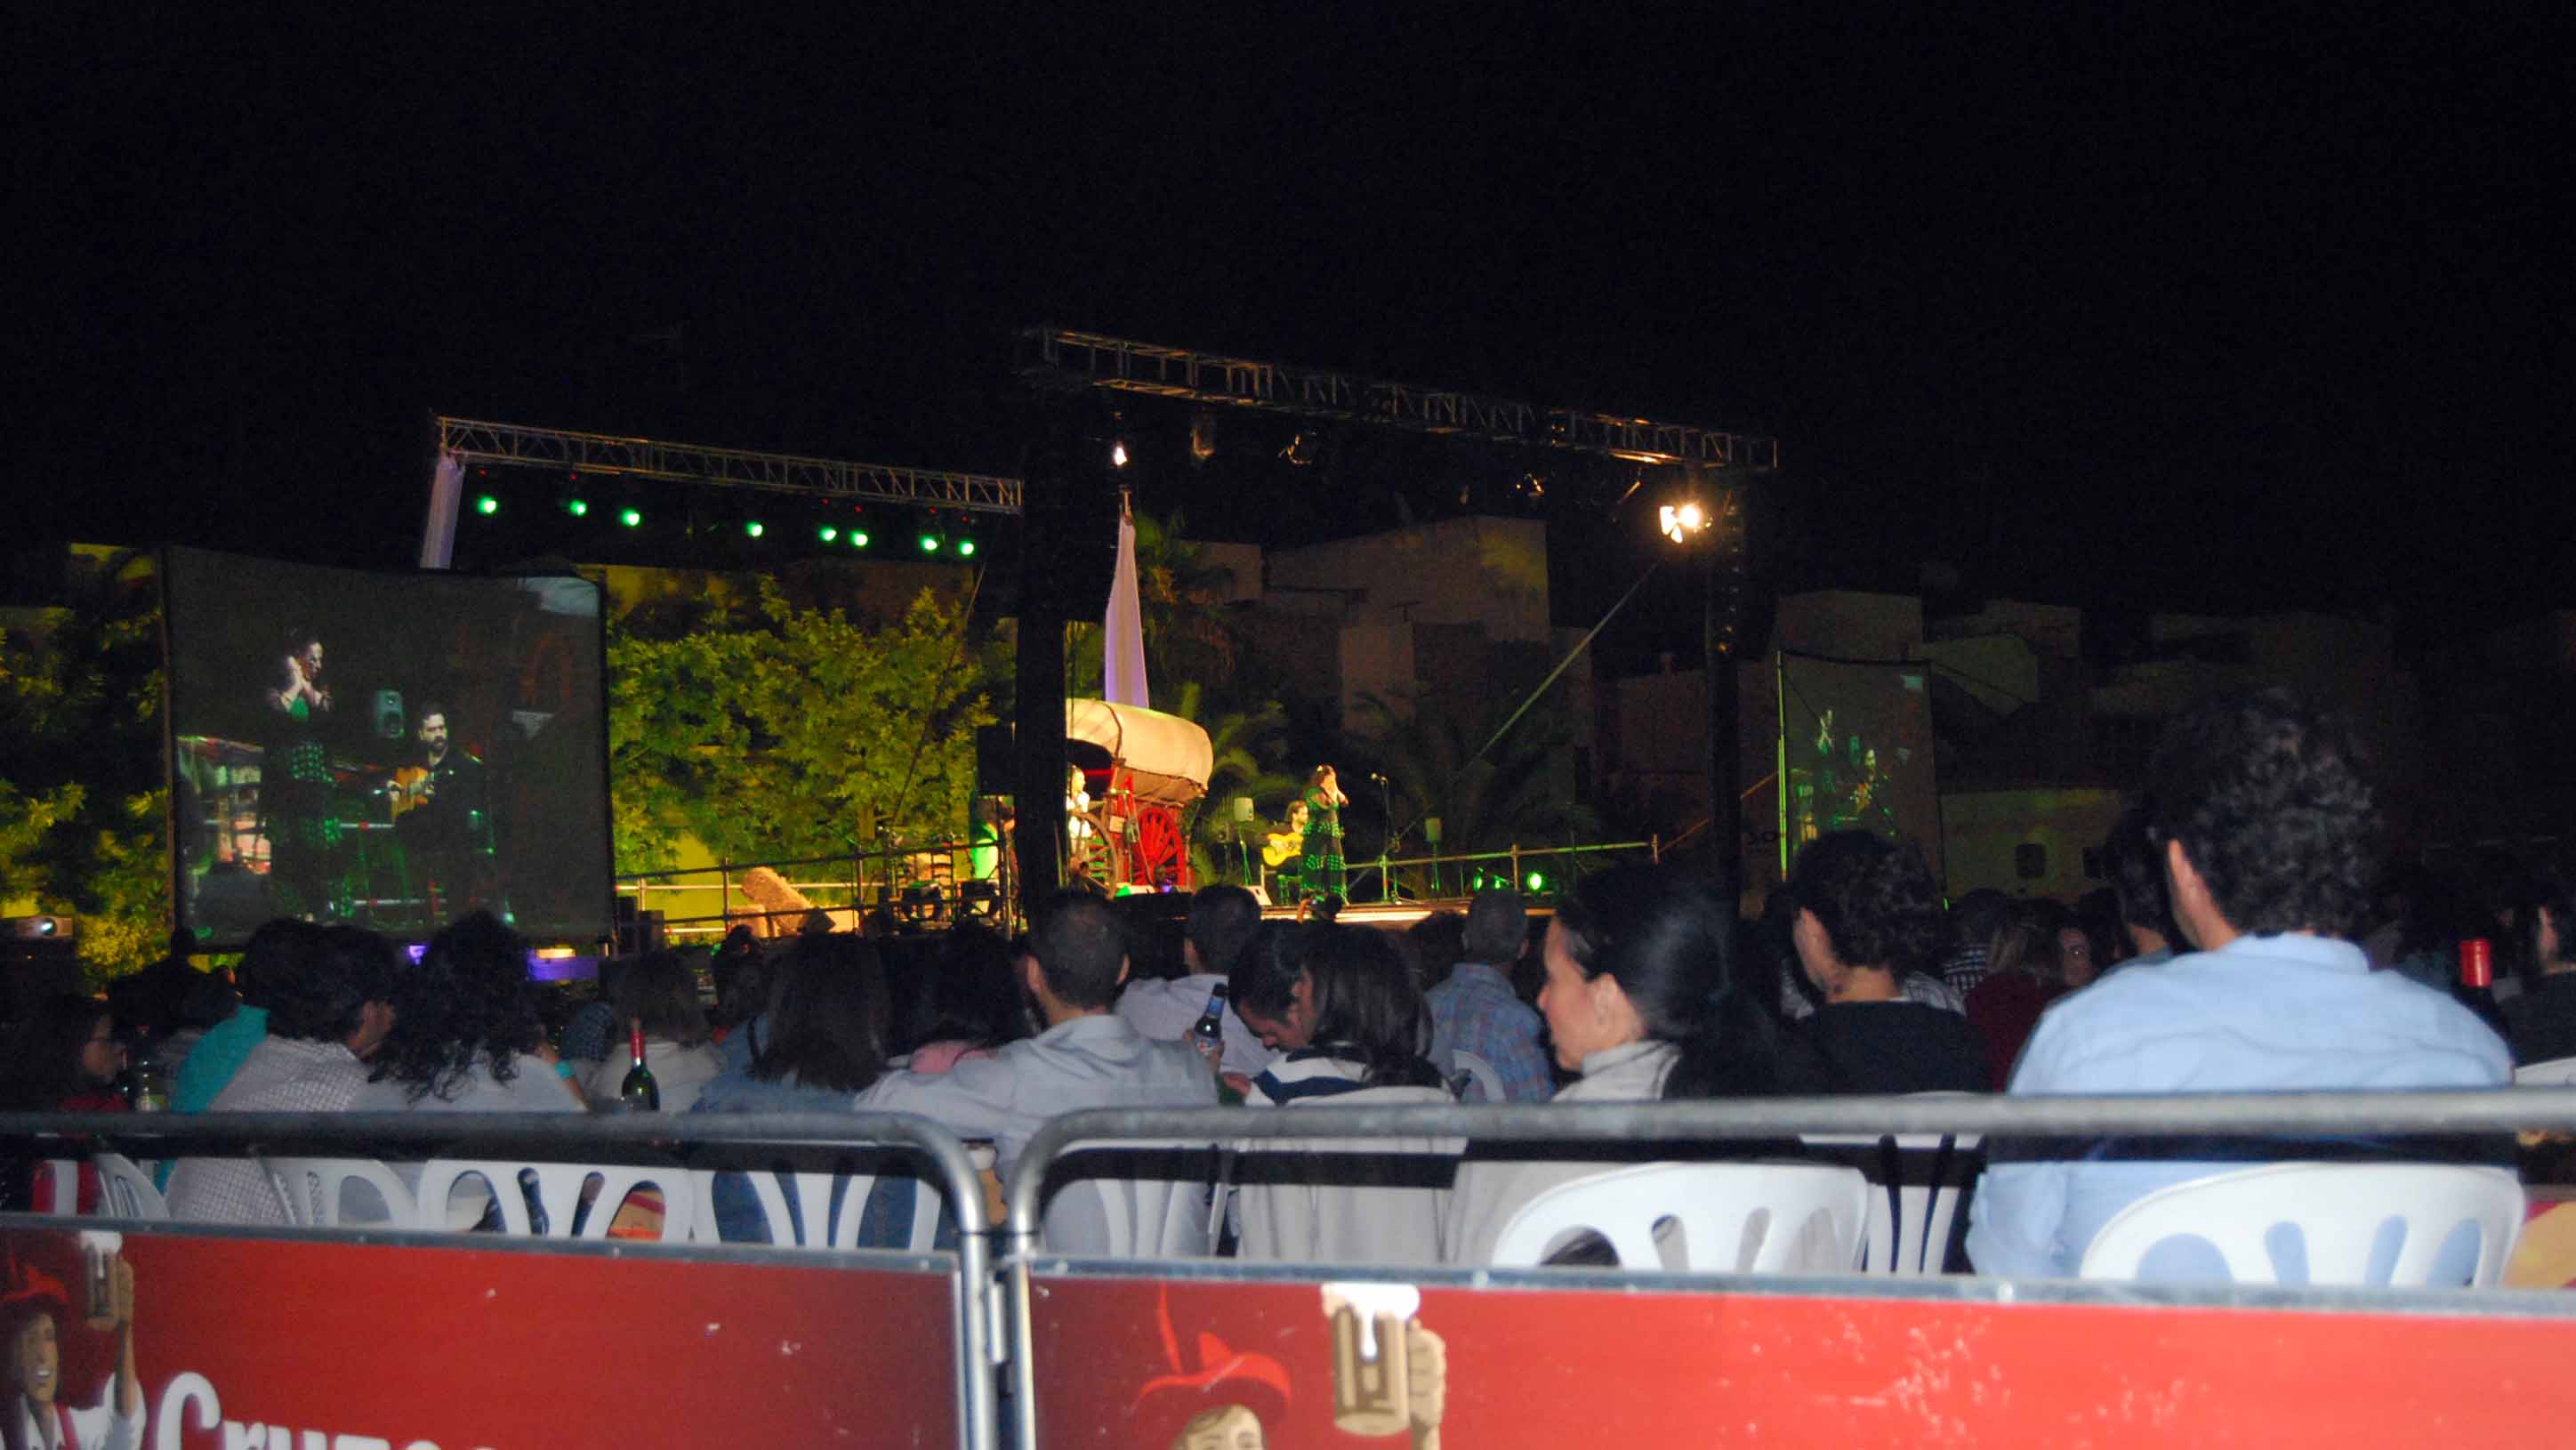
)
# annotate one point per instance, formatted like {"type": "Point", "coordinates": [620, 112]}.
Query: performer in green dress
{"type": "Point", "coordinates": [1320, 872]}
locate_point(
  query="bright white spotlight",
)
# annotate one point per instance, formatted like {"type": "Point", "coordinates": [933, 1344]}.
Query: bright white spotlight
{"type": "Point", "coordinates": [1691, 517]}
{"type": "Point", "coordinates": [1680, 521]}
{"type": "Point", "coordinates": [1118, 455]}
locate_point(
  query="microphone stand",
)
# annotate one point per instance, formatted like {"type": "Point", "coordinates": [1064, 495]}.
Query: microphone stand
{"type": "Point", "coordinates": [1385, 841]}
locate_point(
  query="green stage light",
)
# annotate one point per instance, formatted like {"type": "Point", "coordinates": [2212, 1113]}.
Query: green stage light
{"type": "Point", "coordinates": [828, 534]}
{"type": "Point", "coordinates": [930, 543]}
{"type": "Point", "coordinates": [1536, 881]}
{"type": "Point", "coordinates": [966, 548]}
{"type": "Point", "coordinates": [487, 505]}
{"type": "Point", "coordinates": [630, 517]}
{"type": "Point", "coordinates": [755, 528]}
{"type": "Point", "coordinates": [858, 538]}
{"type": "Point", "coordinates": [578, 508]}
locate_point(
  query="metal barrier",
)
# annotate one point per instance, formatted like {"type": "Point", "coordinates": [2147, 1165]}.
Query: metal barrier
{"type": "Point", "coordinates": [1493, 1356]}
{"type": "Point", "coordinates": [1531, 1333]}
{"type": "Point", "coordinates": [328, 1266]}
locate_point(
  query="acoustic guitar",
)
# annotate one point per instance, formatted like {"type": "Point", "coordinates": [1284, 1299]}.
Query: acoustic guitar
{"type": "Point", "coordinates": [1281, 847]}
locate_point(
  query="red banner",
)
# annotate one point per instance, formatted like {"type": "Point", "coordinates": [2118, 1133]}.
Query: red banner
{"type": "Point", "coordinates": [270, 1344]}
{"type": "Point", "coordinates": [1203, 1365]}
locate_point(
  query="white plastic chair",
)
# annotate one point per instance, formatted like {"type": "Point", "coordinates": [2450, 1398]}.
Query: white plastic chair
{"type": "Point", "coordinates": [814, 1208]}
{"type": "Point", "coordinates": [1481, 1073]}
{"type": "Point", "coordinates": [315, 1190]}
{"type": "Point", "coordinates": [1915, 1183]}
{"type": "Point", "coordinates": [1162, 1213]}
{"type": "Point", "coordinates": [125, 1190]}
{"type": "Point", "coordinates": [559, 1194]}
{"type": "Point", "coordinates": [1746, 1218]}
{"type": "Point", "coordinates": [2556, 1072]}
{"type": "Point", "coordinates": [1357, 1200]}
{"type": "Point", "coordinates": [2343, 1213]}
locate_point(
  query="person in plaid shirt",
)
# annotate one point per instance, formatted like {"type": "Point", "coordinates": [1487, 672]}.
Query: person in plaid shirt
{"type": "Point", "coordinates": [1476, 1011]}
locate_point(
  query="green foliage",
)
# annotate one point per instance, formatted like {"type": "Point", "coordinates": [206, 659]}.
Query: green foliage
{"type": "Point", "coordinates": [1247, 746]}
{"type": "Point", "coordinates": [1188, 637]}
{"type": "Point", "coordinates": [1508, 796]}
{"type": "Point", "coordinates": [788, 732]}
{"type": "Point", "coordinates": [81, 803]}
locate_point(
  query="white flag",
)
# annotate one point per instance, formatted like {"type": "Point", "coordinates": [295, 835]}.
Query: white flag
{"type": "Point", "coordinates": [1122, 666]}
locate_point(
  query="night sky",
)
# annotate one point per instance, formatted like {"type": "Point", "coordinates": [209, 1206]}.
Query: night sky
{"type": "Point", "coordinates": [2262, 308]}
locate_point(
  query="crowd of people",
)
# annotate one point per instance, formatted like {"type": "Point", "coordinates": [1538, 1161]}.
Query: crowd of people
{"type": "Point", "coordinates": [2248, 938]}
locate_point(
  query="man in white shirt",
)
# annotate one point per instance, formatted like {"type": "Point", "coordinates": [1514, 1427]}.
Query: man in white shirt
{"type": "Point", "coordinates": [328, 1009]}
{"type": "Point", "coordinates": [1088, 1057]}
{"type": "Point", "coordinates": [1222, 919]}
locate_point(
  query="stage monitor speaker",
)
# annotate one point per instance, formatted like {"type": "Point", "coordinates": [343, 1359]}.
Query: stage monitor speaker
{"type": "Point", "coordinates": [389, 715]}
{"type": "Point", "coordinates": [1243, 810]}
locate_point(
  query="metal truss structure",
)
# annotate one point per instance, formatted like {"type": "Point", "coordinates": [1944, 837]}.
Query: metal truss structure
{"type": "Point", "coordinates": [607, 456]}
{"type": "Point", "coordinates": [1086, 359]}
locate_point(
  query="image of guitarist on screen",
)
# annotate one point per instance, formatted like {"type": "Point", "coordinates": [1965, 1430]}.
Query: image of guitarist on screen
{"type": "Point", "coordinates": [440, 810]}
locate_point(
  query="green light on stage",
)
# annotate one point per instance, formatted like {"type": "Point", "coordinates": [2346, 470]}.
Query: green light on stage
{"type": "Point", "coordinates": [858, 538]}
{"type": "Point", "coordinates": [1536, 881]}
{"type": "Point", "coordinates": [966, 548]}
{"type": "Point", "coordinates": [755, 528]}
{"type": "Point", "coordinates": [577, 507]}
{"type": "Point", "coordinates": [487, 505]}
{"type": "Point", "coordinates": [630, 517]}
{"type": "Point", "coordinates": [828, 534]}
{"type": "Point", "coordinates": [930, 543]}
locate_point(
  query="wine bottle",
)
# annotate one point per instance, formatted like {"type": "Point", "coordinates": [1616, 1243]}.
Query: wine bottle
{"type": "Point", "coordinates": [639, 1093]}
{"type": "Point", "coordinates": [2476, 988]}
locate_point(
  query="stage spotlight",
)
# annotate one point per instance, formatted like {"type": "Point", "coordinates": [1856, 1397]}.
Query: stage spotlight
{"type": "Point", "coordinates": [930, 543]}
{"type": "Point", "coordinates": [631, 516]}
{"type": "Point", "coordinates": [1118, 454]}
{"type": "Point", "coordinates": [858, 538]}
{"type": "Point", "coordinates": [966, 548]}
{"type": "Point", "coordinates": [1299, 451]}
{"type": "Point", "coordinates": [486, 505]}
{"type": "Point", "coordinates": [1202, 436]}
{"type": "Point", "coordinates": [828, 534]}
{"type": "Point", "coordinates": [754, 527]}
{"type": "Point", "coordinates": [1678, 522]}
{"type": "Point", "coordinates": [577, 507]}
{"type": "Point", "coordinates": [1536, 881]}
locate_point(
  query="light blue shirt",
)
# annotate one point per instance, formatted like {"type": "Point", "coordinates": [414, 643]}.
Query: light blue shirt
{"type": "Point", "coordinates": [2261, 1014]}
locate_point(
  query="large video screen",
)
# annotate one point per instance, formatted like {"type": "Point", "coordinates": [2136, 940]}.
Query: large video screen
{"type": "Point", "coordinates": [390, 750]}
{"type": "Point", "coordinates": [1857, 747]}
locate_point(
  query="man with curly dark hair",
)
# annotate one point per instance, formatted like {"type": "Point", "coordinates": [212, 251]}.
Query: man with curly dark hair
{"type": "Point", "coordinates": [2269, 833]}
{"type": "Point", "coordinates": [1867, 917]}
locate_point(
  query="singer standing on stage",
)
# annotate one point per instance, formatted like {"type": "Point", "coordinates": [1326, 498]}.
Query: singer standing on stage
{"type": "Point", "coordinates": [1321, 871]}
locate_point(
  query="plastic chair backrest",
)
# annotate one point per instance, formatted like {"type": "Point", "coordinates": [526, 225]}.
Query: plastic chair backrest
{"type": "Point", "coordinates": [1915, 1183]}
{"type": "Point", "coordinates": [1481, 1073]}
{"type": "Point", "coordinates": [2553, 1073]}
{"type": "Point", "coordinates": [314, 1190]}
{"type": "Point", "coordinates": [1161, 1213]}
{"type": "Point", "coordinates": [1348, 1200]}
{"type": "Point", "coordinates": [2341, 1217]}
{"type": "Point", "coordinates": [1750, 1218]}
{"type": "Point", "coordinates": [126, 1191]}
{"type": "Point", "coordinates": [814, 1208]}
{"type": "Point", "coordinates": [559, 1195]}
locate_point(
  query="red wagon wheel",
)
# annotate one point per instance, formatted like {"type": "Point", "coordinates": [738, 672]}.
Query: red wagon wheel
{"type": "Point", "coordinates": [1158, 846]}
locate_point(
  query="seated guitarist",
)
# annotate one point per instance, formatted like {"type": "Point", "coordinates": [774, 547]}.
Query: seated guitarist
{"type": "Point", "coordinates": [438, 808]}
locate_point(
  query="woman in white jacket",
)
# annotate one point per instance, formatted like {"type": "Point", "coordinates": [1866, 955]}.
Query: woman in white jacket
{"type": "Point", "coordinates": [1642, 1000]}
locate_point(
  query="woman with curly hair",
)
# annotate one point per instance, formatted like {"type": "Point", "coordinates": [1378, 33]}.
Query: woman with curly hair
{"type": "Point", "coordinates": [467, 1037]}
{"type": "Point", "coordinates": [1866, 917]}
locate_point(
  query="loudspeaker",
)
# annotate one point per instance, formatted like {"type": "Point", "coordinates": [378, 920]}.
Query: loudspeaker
{"type": "Point", "coordinates": [993, 759]}
{"type": "Point", "coordinates": [1243, 810]}
{"type": "Point", "coordinates": [389, 715]}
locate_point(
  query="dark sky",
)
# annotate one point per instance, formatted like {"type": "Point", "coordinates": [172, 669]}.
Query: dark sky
{"type": "Point", "coordinates": [2130, 306]}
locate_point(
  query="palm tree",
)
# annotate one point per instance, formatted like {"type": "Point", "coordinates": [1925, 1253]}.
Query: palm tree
{"type": "Point", "coordinates": [1245, 747]}
{"type": "Point", "coordinates": [1507, 796]}
{"type": "Point", "coordinates": [1187, 633]}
